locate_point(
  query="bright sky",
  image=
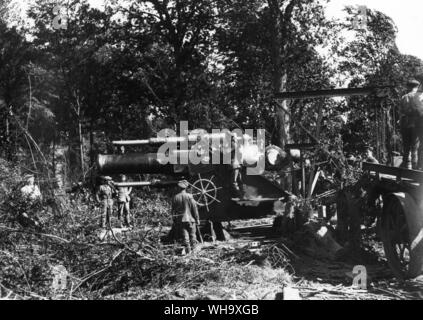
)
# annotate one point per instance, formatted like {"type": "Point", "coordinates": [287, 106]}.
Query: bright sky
{"type": "Point", "coordinates": [407, 15]}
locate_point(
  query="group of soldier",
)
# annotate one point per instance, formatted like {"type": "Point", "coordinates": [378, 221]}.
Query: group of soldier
{"type": "Point", "coordinates": [105, 194]}
{"type": "Point", "coordinates": [185, 215]}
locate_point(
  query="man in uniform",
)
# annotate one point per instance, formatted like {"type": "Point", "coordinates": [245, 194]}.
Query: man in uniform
{"type": "Point", "coordinates": [369, 157]}
{"type": "Point", "coordinates": [104, 196]}
{"type": "Point", "coordinates": [408, 113]}
{"type": "Point", "coordinates": [31, 191]}
{"type": "Point", "coordinates": [236, 166]}
{"type": "Point", "coordinates": [123, 203]}
{"type": "Point", "coordinates": [418, 100]}
{"type": "Point", "coordinates": [185, 216]}
{"type": "Point", "coordinates": [32, 197]}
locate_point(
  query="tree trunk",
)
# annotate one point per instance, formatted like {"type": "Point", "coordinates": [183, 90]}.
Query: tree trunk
{"type": "Point", "coordinates": [283, 124]}
{"type": "Point", "coordinates": [92, 151]}
{"type": "Point", "coordinates": [80, 137]}
{"type": "Point", "coordinates": [278, 57]}
{"type": "Point", "coordinates": [30, 102]}
{"type": "Point", "coordinates": [279, 72]}
{"type": "Point", "coordinates": [81, 147]}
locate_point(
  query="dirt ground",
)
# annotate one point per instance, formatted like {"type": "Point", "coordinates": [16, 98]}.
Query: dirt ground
{"type": "Point", "coordinates": [256, 265]}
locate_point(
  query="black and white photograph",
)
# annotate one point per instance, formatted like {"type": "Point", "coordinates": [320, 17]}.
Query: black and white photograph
{"type": "Point", "coordinates": [211, 154]}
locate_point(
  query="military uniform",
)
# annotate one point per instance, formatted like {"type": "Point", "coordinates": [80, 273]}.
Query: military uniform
{"type": "Point", "coordinates": [31, 192]}
{"type": "Point", "coordinates": [105, 196]}
{"type": "Point", "coordinates": [236, 160]}
{"type": "Point", "coordinates": [123, 205]}
{"type": "Point", "coordinates": [32, 197]}
{"type": "Point", "coordinates": [185, 217]}
{"type": "Point", "coordinates": [411, 129]}
{"type": "Point", "coordinates": [419, 129]}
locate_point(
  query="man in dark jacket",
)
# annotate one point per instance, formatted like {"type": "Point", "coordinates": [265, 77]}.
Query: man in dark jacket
{"type": "Point", "coordinates": [185, 216]}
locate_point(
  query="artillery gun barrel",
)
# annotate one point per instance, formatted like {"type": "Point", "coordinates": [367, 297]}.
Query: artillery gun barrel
{"type": "Point", "coordinates": [145, 183]}
{"type": "Point", "coordinates": [134, 163]}
{"type": "Point", "coordinates": [158, 141]}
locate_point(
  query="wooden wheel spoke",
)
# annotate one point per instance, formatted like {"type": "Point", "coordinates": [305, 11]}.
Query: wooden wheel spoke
{"type": "Point", "coordinates": [205, 191]}
{"type": "Point", "coordinates": [208, 184]}
{"type": "Point", "coordinates": [211, 197]}
{"type": "Point", "coordinates": [211, 190]}
{"type": "Point", "coordinates": [201, 182]}
{"type": "Point", "coordinates": [193, 186]}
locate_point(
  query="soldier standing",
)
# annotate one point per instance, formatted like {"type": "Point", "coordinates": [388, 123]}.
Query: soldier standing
{"type": "Point", "coordinates": [104, 196]}
{"type": "Point", "coordinates": [185, 216]}
{"type": "Point", "coordinates": [408, 114]}
{"type": "Point", "coordinates": [236, 166]}
{"type": "Point", "coordinates": [418, 100]}
{"type": "Point", "coordinates": [123, 203]}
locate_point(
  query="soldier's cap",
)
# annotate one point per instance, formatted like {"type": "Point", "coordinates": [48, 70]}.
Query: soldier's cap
{"type": "Point", "coordinates": [28, 176]}
{"type": "Point", "coordinates": [107, 178]}
{"type": "Point", "coordinates": [413, 83]}
{"type": "Point", "coordinates": [183, 184]}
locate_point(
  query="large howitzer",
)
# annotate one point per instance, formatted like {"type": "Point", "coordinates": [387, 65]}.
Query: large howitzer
{"type": "Point", "coordinates": [210, 180]}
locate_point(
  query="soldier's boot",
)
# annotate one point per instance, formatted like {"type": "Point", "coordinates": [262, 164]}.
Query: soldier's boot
{"type": "Point", "coordinates": [126, 221]}
{"type": "Point", "coordinates": [193, 237]}
{"type": "Point", "coordinates": [186, 241]}
{"type": "Point", "coordinates": [108, 217]}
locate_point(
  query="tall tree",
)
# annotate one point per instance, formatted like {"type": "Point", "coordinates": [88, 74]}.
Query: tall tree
{"type": "Point", "coordinates": [15, 55]}
{"type": "Point", "coordinates": [269, 45]}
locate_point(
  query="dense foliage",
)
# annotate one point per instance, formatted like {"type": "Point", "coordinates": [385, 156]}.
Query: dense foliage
{"type": "Point", "coordinates": [135, 67]}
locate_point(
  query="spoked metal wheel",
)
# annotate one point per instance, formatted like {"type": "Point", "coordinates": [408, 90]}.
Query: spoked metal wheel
{"type": "Point", "coordinates": [204, 191]}
{"type": "Point", "coordinates": [395, 237]}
